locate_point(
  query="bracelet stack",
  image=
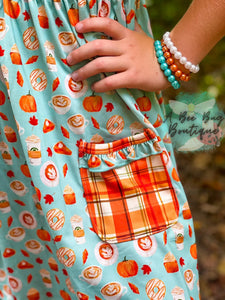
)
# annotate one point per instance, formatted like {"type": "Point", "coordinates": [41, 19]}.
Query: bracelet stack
{"type": "Point", "coordinates": [167, 55]}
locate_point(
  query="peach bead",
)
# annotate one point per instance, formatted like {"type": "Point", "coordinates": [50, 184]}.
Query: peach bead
{"type": "Point", "coordinates": [164, 49]}
{"type": "Point", "coordinates": [183, 77]}
{"type": "Point", "coordinates": [169, 61]}
{"type": "Point", "coordinates": [178, 73]}
{"type": "Point", "coordinates": [173, 68]}
{"type": "Point", "coordinates": [167, 54]}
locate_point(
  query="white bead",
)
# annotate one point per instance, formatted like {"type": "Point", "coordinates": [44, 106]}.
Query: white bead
{"type": "Point", "coordinates": [192, 68]}
{"type": "Point", "coordinates": [169, 44]}
{"type": "Point", "coordinates": [178, 55]}
{"type": "Point", "coordinates": [166, 40]}
{"type": "Point", "coordinates": [166, 35]}
{"type": "Point", "coordinates": [173, 49]}
{"type": "Point", "coordinates": [196, 69]}
{"type": "Point", "coordinates": [188, 65]}
{"type": "Point", "coordinates": [183, 60]}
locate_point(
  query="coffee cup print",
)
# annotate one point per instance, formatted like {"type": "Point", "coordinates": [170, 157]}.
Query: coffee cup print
{"type": "Point", "coordinates": [34, 246]}
{"type": "Point", "coordinates": [67, 41]}
{"type": "Point", "coordinates": [3, 28]}
{"type": "Point", "coordinates": [10, 134]}
{"type": "Point", "coordinates": [77, 123]}
{"type": "Point", "coordinates": [50, 56]}
{"type": "Point", "coordinates": [57, 4]}
{"type": "Point", "coordinates": [15, 284]}
{"type": "Point", "coordinates": [16, 234]}
{"type": "Point", "coordinates": [91, 275]}
{"type": "Point", "coordinates": [18, 187]}
{"type": "Point", "coordinates": [178, 230]}
{"type": "Point", "coordinates": [5, 153]}
{"type": "Point", "coordinates": [4, 203]}
{"type": "Point", "coordinates": [189, 278]}
{"type": "Point", "coordinates": [34, 149]}
{"type": "Point", "coordinates": [78, 230]}
{"type": "Point", "coordinates": [60, 103]}
{"type": "Point", "coordinates": [113, 291]}
{"type": "Point", "coordinates": [75, 89]}
{"type": "Point", "coordinates": [46, 278]}
{"type": "Point", "coordinates": [177, 293]}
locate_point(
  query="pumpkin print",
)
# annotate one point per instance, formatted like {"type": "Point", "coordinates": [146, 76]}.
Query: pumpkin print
{"type": "Point", "coordinates": [55, 130]}
{"type": "Point", "coordinates": [73, 15]}
{"type": "Point", "coordinates": [27, 103]}
{"type": "Point", "coordinates": [144, 103]}
{"type": "Point", "coordinates": [127, 268]}
{"type": "Point", "coordinates": [11, 8]}
{"type": "Point", "coordinates": [92, 103]}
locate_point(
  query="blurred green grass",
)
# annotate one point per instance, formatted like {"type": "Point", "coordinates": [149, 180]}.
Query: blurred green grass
{"type": "Point", "coordinates": [164, 15]}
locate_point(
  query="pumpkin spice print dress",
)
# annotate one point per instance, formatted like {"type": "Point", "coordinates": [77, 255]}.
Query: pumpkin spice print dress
{"type": "Point", "coordinates": [91, 206]}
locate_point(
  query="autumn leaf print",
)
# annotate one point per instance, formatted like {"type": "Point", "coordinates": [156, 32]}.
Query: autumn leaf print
{"type": "Point", "coordinates": [55, 84]}
{"type": "Point", "coordinates": [20, 202]}
{"type": "Point", "coordinates": [109, 107]}
{"type": "Point", "coordinates": [97, 298]}
{"type": "Point", "coordinates": [49, 249]}
{"type": "Point", "coordinates": [32, 59]}
{"type": "Point", "coordinates": [57, 238]}
{"type": "Point", "coordinates": [190, 230]}
{"type": "Point", "coordinates": [33, 121]}
{"type": "Point", "coordinates": [165, 237]}
{"type": "Point", "coordinates": [92, 3]}
{"type": "Point", "coordinates": [146, 269]}
{"type": "Point", "coordinates": [57, 279]}
{"type": "Point", "coordinates": [26, 15]}
{"type": "Point", "coordinates": [133, 288]}
{"type": "Point", "coordinates": [16, 152]}
{"type": "Point", "coordinates": [85, 256]}
{"type": "Point", "coordinates": [25, 253]}
{"type": "Point", "coordinates": [64, 61]}
{"type": "Point", "coordinates": [39, 260]}
{"type": "Point", "coordinates": [9, 221]}
{"type": "Point", "coordinates": [19, 78]}
{"type": "Point", "coordinates": [10, 174]}
{"type": "Point", "coordinates": [29, 278]}
{"type": "Point", "coordinates": [1, 51]}
{"type": "Point", "coordinates": [49, 151]}
{"type": "Point", "coordinates": [65, 169]}
{"type": "Point", "coordinates": [65, 132]}
{"type": "Point", "coordinates": [3, 116]}
{"type": "Point", "coordinates": [48, 199]}
{"type": "Point", "coordinates": [182, 263]}
{"type": "Point", "coordinates": [95, 123]}
{"type": "Point", "coordinates": [58, 22]}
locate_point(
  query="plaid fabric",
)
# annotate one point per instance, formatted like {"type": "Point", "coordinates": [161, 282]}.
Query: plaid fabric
{"type": "Point", "coordinates": [132, 201]}
{"type": "Point", "coordinates": [99, 149]}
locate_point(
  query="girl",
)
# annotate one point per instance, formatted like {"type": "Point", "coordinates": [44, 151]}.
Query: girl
{"type": "Point", "coordinates": [91, 207]}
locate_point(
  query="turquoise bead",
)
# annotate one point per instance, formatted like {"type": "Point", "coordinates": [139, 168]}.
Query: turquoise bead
{"type": "Point", "coordinates": [175, 85]}
{"type": "Point", "coordinates": [167, 72]}
{"type": "Point", "coordinates": [159, 53]}
{"type": "Point", "coordinates": [171, 78]}
{"type": "Point", "coordinates": [164, 66]}
{"type": "Point", "coordinates": [161, 59]}
{"type": "Point", "coordinates": [157, 43]}
{"type": "Point", "coordinates": [158, 47]}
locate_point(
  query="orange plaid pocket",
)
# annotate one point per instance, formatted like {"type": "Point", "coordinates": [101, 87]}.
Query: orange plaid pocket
{"type": "Point", "coordinates": [131, 200]}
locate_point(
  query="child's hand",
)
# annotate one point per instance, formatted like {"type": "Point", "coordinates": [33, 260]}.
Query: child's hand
{"type": "Point", "coordinates": [130, 54]}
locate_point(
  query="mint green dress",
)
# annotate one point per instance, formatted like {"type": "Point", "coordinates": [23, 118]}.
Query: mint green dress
{"type": "Point", "coordinates": [91, 205]}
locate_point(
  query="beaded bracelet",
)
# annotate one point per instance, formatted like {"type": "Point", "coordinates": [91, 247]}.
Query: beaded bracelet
{"type": "Point", "coordinates": [173, 67]}
{"type": "Point", "coordinates": [178, 55]}
{"type": "Point", "coordinates": [164, 66]}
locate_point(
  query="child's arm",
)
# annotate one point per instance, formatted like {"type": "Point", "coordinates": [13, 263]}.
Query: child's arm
{"type": "Point", "coordinates": [131, 54]}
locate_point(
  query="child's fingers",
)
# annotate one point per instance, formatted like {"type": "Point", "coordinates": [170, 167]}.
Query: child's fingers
{"type": "Point", "coordinates": [99, 65]}
{"type": "Point", "coordinates": [113, 82]}
{"type": "Point", "coordinates": [108, 26]}
{"type": "Point", "coordinates": [95, 48]}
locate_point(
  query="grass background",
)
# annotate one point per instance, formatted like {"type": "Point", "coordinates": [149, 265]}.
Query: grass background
{"type": "Point", "coordinates": [202, 173]}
